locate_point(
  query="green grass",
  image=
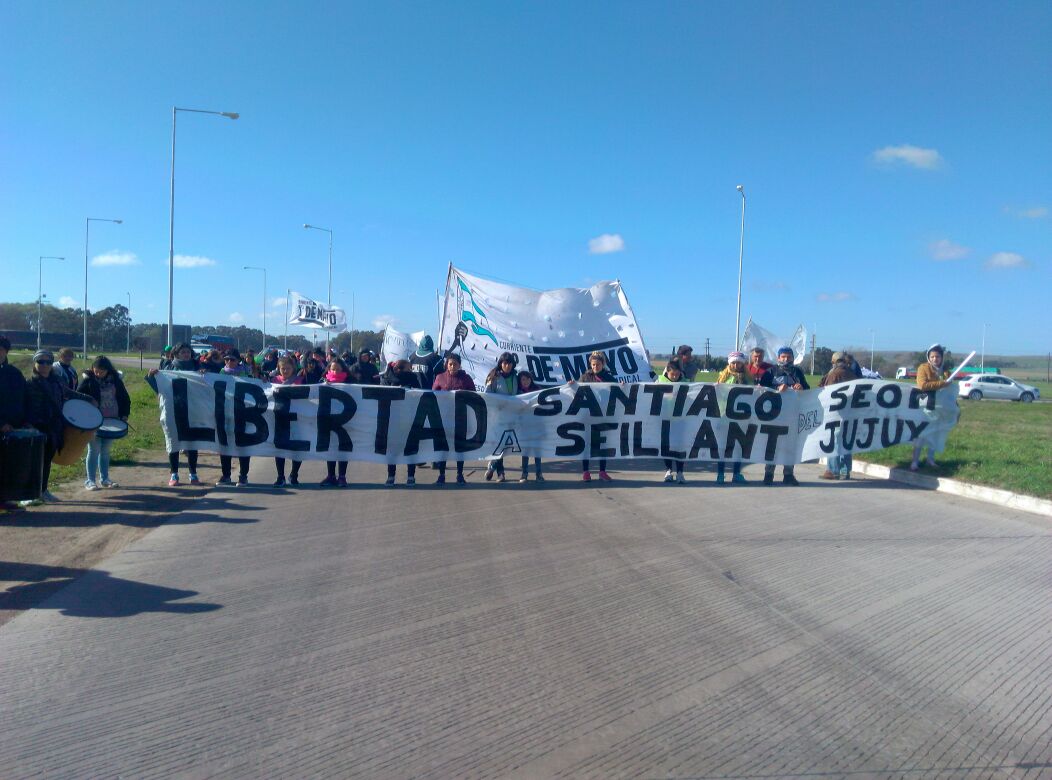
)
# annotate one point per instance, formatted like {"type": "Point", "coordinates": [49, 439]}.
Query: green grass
{"type": "Point", "coordinates": [144, 423]}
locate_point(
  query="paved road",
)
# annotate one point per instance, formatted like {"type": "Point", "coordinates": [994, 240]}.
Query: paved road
{"type": "Point", "coordinates": [563, 630]}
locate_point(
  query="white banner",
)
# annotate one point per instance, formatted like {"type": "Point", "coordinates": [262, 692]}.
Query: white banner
{"type": "Point", "coordinates": [701, 422]}
{"type": "Point", "coordinates": [315, 314]}
{"type": "Point", "coordinates": [398, 345]}
{"type": "Point", "coordinates": [758, 336]}
{"type": "Point", "coordinates": [551, 331]}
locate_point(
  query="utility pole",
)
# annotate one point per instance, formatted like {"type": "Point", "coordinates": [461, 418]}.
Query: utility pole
{"type": "Point", "coordinates": [708, 355]}
{"type": "Point", "coordinates": [814, 336]}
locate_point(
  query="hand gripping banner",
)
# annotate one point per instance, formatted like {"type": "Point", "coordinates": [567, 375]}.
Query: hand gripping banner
{"type": "Point", "coordinates": [697, 422]}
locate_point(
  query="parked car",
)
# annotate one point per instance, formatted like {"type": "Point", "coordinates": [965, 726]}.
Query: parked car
{"type": "Point", "coordinates": [990, 386]}
{"type": "Point", "coordinates": [905, 372]}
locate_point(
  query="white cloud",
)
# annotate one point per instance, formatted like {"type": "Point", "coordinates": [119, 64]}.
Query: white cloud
{"type": "Point", "coordinates": [1006, 260]}
{"type": "Point", "coordinates": [236, 317]}
{"type": "Point", "coordinates": [192, 261]}
{"type": "Point", "coordinates": [841, 295]}
{"type": "Point", "coordinates": [66, 302]}
{"type": "Point", "coordinates": [606, 243]}
{"type": "Point", "coordinates": [383, 321]}
{"type": "Point", "coordinates": [945, 249]}
{"type": "Point", "coordinates": [278, 302]}
{"type": "Point", "coordinates": [928, 159]}
{"type": "Point", "coordinates": [115, 257]}
{"type": "Point", "coordinates": [1034, 212]}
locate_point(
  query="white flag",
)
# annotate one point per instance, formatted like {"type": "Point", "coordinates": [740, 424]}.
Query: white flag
{"type": "Point", "coordinates": [398, 345]}
{"type": "Point", "coordinates": [315, 314]}
{"type": "Point", "coordinates": [552, 332]}
{"type": "Point", "coordinates": [757, 336]}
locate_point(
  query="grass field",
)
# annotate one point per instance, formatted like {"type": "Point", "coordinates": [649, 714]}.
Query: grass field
{"type": "Point", "coordinates": [996, 443]}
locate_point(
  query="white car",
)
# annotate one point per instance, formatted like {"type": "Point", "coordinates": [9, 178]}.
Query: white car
{"type": "Point", "coordinates": [982, 386]}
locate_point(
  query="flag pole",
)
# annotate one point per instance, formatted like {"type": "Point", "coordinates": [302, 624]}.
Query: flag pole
{"type": "Point", "coordinates": [287, 320]}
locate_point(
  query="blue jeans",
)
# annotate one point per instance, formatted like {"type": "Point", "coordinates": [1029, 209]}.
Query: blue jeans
{"type": "Point", "coordinates": [98, 459]}
{"type": "Point", "coordinates": [840, 464]}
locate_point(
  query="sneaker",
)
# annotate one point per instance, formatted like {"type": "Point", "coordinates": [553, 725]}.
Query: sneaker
{"type": "Point", "coordinates": [827, 474]}
{"type": "Point", "coordinates": [605, 477]}
{"type": "Point", "coordinates": [341, 482]}
{"type": "Point", "coordinates": [410, 481]}
{"type": "Point", "coordinates": [48, 497]}
{"type": "Point", "coordinates": [109, 483]}
{"type": "Point", "coordinates": [524, 478]}
{"type": "Point", "coordinates": [845, 475]}
{"type": "Point", "coordinates": [914, 467]}
{"type": "Point", "coordinates": [194, 480]}
{"type": "Point", "coordinates": [789, 479]}
{"type": "Point", "coordinates": [328, 482]}
{"type": "Point", "coordinates": [90, 485]}
{"type": "Point", "coordinates": [461, 480]}
{"type": "Point", "coordinates": [222, 481]}
{"type": "Point", "coordinates": [540, 477]}
{"type": "Point", "coordinates": [279, 482]}
{"type": "Point", "coordinates": [294, 481]}
{"type": "Point", "coordinates": [586, 476]}
{"type": "Point", "coordinates": [680, 479]}
{"type": "Point", "coordinates": [173, 481]}
{"type": "Point", "coordinates": [242, 481]}
{"type": "Point", "coordinates": [668, 476]}
{"type": "Point", "coordinates": [721, 478]}
{"type": "Point", "coordinates": [389, 482]}
{"type": "Point", "coordinates": [930, 463]}
{"type": "Point", "coordinates": [441, 480]}
{"type": "Point", "coordinates": [489, 474]}
{"type": "Point", "coordinates": [739, 479]}
{"type": "Point", "coordinates": [768, 479]}
{"type": "Point", "coordinates": [500, 477]}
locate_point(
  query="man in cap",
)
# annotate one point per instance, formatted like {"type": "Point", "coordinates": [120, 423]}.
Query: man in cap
{"type": "Point", "coordinates": [785, 378]}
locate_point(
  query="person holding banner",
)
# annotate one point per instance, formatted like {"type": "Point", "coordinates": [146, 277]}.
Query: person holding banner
{"type": "Point", "coordinates": [426, 361]}
{"type": "Point", "coordinates": [400, 373]}
{"type": "Point", "coordinates": [688, 365]}
{"type": "Point", "coordinates": [785, 377]}
{"type": "Point", "coordinates": [597, 372]}
{"type": "Point", "coordinates": [183, 360]}
{"type": "Point", "coordinates": [736, 373]}
{"type": "Point", "coordinates": [503, 379]}
{"type": "Point", "coordinates": [453, 378]}
{"type": "Point", "coordinates": [336, 375]}
{"type": "Point", "coordinates": [757, 365]}
{"type": "Point", "coordinates": [931, 376]}
{"type": "Point", "coordinates": [528, 385]}
{"type": "Point", "coordinates": [674, 374]}
{"type": "Point", "coordinates": [363, 372]}
{"type": "Point", "coordinates": [838, 466]}
{"type": "Point", "coordinates": [286, 375]}
{"type": "Point", "coordinates": [107, 390]}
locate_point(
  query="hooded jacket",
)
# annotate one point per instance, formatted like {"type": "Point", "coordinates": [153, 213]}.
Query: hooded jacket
{"type": "Point", "coordinates": [363, 374]}
{"type": "Point", "coordinates": [91, 386]}
{"type": "Point", "coordinates": [784, 375]}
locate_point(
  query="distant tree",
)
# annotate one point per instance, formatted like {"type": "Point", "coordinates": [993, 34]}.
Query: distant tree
{"type": "Point", "coordinates": [823, 360]}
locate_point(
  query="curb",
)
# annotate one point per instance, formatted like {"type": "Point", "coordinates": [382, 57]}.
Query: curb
{"type": "Point", "coordinates": [1005, 498]}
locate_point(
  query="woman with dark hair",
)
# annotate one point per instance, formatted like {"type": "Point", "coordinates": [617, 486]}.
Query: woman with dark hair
{"type": "Point", "coordinates": [528, 385]}
{"type": "Point", "coordinates": [45, 394]}
{"type": "Point", "coordinates": [286, 375]}
{"type": "Point", "coordinates": [312, 373]}
{"type": "Point", "coordinates": [674, 374]}
{"type": "Point", "coordinates": [106, 388]}
{"type": "Point", "coordinates": [597, 372]}
{"type": "Point", "coordinates": [336, 375]}
{"type": "Point", "coordinates": [453, 378]}
{"type": "Point", "coordinates": [400, 373]}
{"type": "Point", "coordinates": [503, 379]}
{"type": "Point", "coordinates": [183, 359]}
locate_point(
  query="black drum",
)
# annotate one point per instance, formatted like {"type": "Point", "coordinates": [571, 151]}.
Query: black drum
{"type": "Point", "coordinates": [21, 465]}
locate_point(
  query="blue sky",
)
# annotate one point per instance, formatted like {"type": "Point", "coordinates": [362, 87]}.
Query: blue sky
{"type": "Point", "coordinates": [896, 159]}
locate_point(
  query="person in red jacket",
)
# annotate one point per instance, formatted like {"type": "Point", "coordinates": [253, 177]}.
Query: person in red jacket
{"type": "Point", "coordinates": [453, 378]}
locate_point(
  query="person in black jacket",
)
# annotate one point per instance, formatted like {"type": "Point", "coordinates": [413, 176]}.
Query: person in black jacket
{"type": "Point", "coordinates": [784, 377]}
{"type": "Point", "coordinates": [106, 388]}
{"type": "Point", "coordinates": [183, 360]}
{"type": "Point", "coordinates": [597, 372]}
{"type": "Point", "coordinates": [12, 391]}
{"type": "Point", "coordinates": [363, 372]}
{"type": "Point", "coordinates": [400, 373]}
{"type": "Point", "coordinates": [426, 362]}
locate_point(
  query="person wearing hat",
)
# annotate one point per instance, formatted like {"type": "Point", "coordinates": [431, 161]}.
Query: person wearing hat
{"type": "Point", "coordinates": [232, 365]}
{"type": "Point", "coordinates": [736, 373]}
{"type": "Point", "coordinates": [688, 365]}
{"type": "Point", "coordinates": [838, 466]}
{"type": "Point", "coordinates": [931, 376]}
{"type": "Point", "coordinates": [45, 394]}
{"type": "Point", "coordinates": [785, 377]}
{"type": "Point", "coordinates": [426, 362]}
{"type": "Point", "coordinates": [363, 372]}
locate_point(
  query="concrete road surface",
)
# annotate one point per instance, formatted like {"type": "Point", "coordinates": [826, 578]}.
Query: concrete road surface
{"type": "Point", "coordinates": [631, 629]}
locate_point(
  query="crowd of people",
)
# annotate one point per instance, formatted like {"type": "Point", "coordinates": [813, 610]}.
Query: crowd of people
{"type": "Point", "coordinates": [38, 401]}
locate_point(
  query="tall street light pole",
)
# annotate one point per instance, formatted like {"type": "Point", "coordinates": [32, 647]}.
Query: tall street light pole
{"type": "Point", "coordinates": [171, 209]}
{"type": "Point", "coordinates": [872, 347]}
{"type": "Point", "coordinates": [741, 251]}
{"type": "Point", "coordinates": [40, 288]}
{"type": "Point", "coordinates": [128, 348]}
{"type": "Point", "coordinates": [264, 270]}
{"type": "Point", "coordinates": [87, 228]}
{"type": "Point", "coordinates": [328, 295]}
{"type": "Point", "coordinates": [982, 358]}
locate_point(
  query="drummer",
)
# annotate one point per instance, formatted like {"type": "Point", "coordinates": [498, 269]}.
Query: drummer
{"type": "Point", "coordinates": [45, 395]}
{"type": "Point", "coordinates": [106, 387]}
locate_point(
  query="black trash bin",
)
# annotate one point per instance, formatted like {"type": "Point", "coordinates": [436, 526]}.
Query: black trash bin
{"type": "Point", "coordinates": [21, 465]}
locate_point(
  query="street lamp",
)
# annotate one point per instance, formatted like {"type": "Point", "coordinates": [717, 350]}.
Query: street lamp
{"type": "Point", "coordinates": [741, 250]}
{"type": "Point", "coordinates": [87, 226]}
{"type": "Point", "coordinates": [264, 270]}
{"type": "Point", "coordinates": [328, 298]}
{"type": "Point", "coordinates": [128, 348]}
{"type": "Point", "coordinates": [171, 210]}
{"type": "Point", "coordinates": [982, 358]}
{"type": "Point", "coordinates": [40, 288]}
{"type": "Point", "coordinates": [872, 346]}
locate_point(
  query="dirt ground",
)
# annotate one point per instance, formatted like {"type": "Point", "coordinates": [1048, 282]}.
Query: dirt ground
{"type": "Point", "coordinates": [44, 548]}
